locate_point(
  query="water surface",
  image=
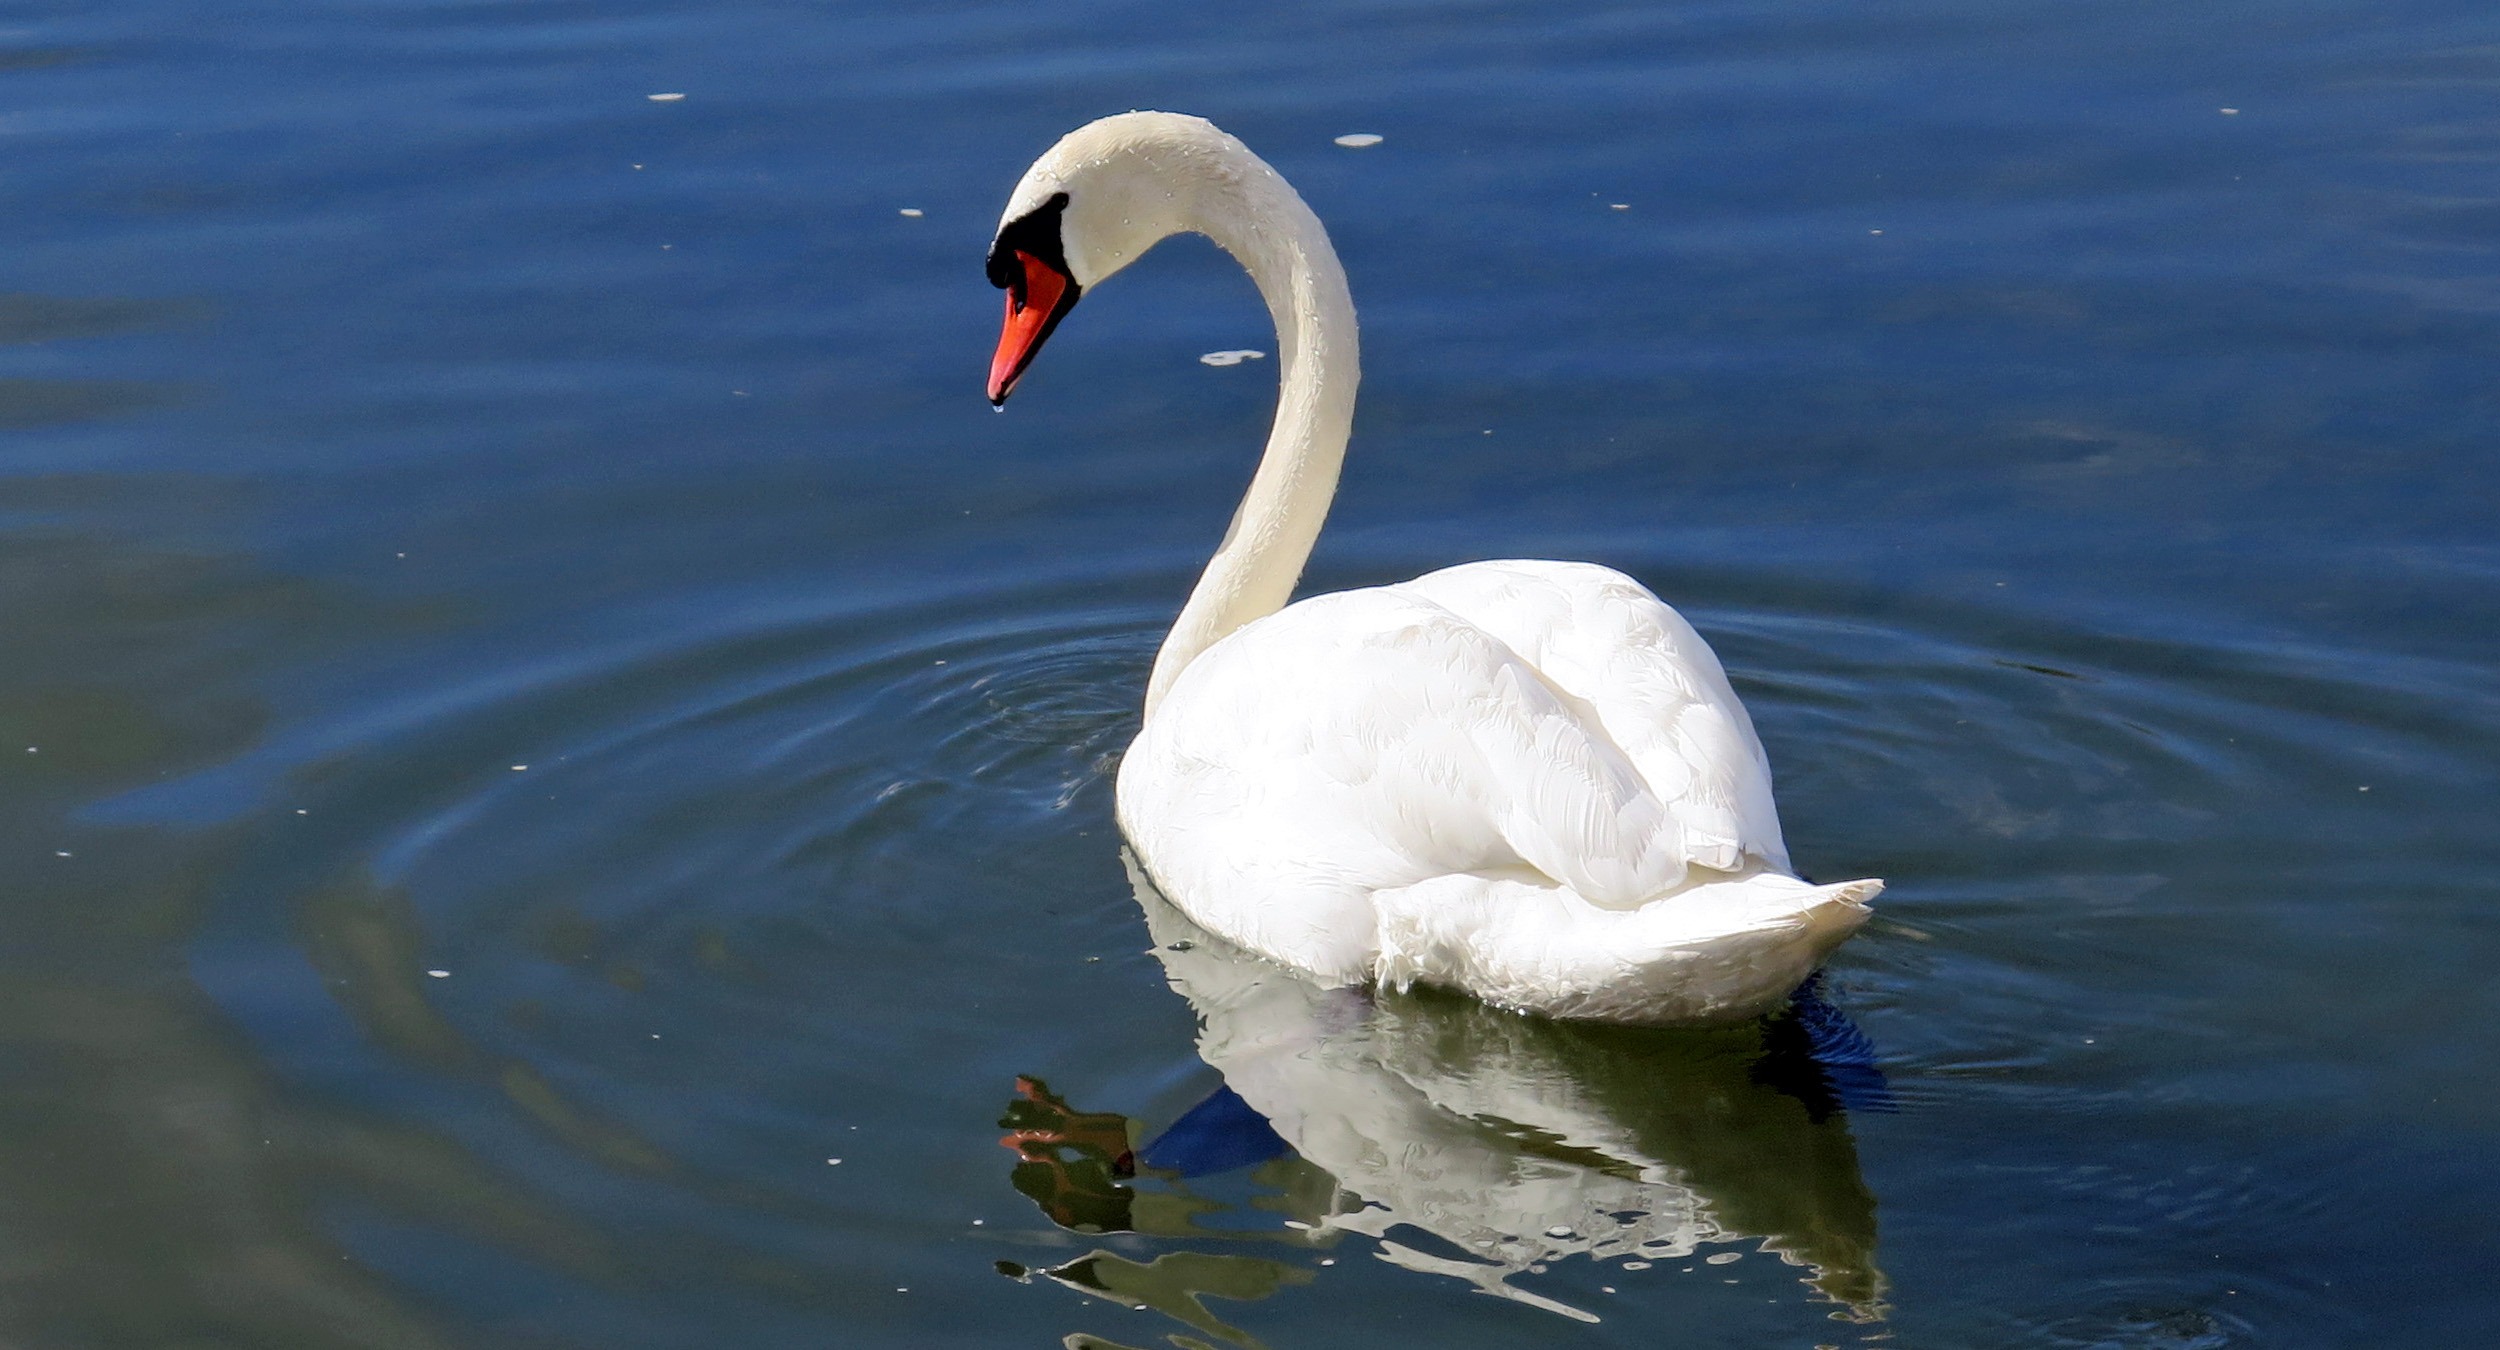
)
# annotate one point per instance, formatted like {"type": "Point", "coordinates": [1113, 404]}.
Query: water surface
{"type": "Point", "coordinates": [555, 755]}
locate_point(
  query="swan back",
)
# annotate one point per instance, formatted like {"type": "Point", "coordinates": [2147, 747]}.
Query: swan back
{"type": "Point", "coordinates": [1642, 681]}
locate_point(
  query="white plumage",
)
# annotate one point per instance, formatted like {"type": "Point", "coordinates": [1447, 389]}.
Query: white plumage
{"type": "Point", "coordinates": [1529, 780]}
{"type": "Point", "coordinates": [1526, 780]}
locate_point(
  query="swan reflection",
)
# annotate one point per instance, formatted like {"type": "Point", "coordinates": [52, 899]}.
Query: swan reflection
{"type": "Point", "coordinates": [1461, 1141]}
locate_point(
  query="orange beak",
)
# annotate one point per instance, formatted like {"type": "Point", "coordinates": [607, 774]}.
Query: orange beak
{"type": "Point", "coordinates": [1034, 307]}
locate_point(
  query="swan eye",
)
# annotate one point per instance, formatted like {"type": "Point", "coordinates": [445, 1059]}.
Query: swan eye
{"type": "Point", "coordinates": [1036, 232]}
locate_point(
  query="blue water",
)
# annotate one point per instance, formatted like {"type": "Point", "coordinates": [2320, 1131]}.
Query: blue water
{"type": "Point", "coordinates": [459, 514]}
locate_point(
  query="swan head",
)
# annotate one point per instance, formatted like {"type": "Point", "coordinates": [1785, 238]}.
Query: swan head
{"type": "Point", "coordinates": [1101, 197]}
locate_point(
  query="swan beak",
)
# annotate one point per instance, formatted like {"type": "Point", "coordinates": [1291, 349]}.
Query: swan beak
{"type": "Point", "coordinates": [1039, 297]}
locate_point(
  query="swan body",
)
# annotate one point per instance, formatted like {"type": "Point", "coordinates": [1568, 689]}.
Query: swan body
{"type": "Point", "coordinates": [1526, 780]}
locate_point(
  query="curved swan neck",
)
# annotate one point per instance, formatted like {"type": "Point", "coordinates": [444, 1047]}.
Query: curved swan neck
{"type": "Point", "coordinates": [1257, 217]}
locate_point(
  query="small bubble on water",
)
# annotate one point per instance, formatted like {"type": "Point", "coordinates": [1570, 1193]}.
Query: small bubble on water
{"type": "Point", "coordinates": [666, 98]}
{"type": "Point", "coordinates": [1358, 140]}
{"type": "Point", "coordinates": [1231, 358]}
{"type": "Point", "coordinates": [439, 974]}
{"type": "Point", "coordinates": [912, 211]}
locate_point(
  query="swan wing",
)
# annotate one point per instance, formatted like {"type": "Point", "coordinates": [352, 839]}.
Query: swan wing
{"type": "Point", "coordinates": [1650, 684]}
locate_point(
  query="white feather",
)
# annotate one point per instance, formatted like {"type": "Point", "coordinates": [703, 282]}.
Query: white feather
{"type": "Point", "coordinates": [1380, 784]}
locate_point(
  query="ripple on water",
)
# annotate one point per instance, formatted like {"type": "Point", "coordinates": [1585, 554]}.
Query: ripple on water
{"type": "Point", "coordinates": [847, 843]}
{"type": "Point", "coordinates": [2073, 826]}
{"type": "Point", "coordinates": [871, 844]}
{"type": "Point", "coordinates": [2148, 1328]}
{"type": "Point", "coordinates": [863, 780]}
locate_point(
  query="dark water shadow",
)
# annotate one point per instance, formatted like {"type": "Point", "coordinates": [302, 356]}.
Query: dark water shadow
{"type": "Point", "coordinates": [28, 320]}
{"type": "Point", "coordinates": [164, 1189]}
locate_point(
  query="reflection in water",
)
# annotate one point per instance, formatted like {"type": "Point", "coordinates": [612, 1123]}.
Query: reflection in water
{"type": "Point", "coordinates": [1174, 1284]}
{"type": "Point", "coordinates": [162, 1188]}
{"type": "Point", "coordinates": [364, 939]}
{"type": "Point", "coordinates": [1072, 1161]}
{"type": "Point", "coordinates": [51, 318]}
{"type": "Point", "coordinates": [1463, 1141]}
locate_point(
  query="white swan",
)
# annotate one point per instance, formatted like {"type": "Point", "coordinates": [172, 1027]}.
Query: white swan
{"type": "Point", "coordinates": [1526, 780]}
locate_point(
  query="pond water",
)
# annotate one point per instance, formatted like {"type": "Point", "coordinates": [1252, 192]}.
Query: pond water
{"type": "Point", "coordinates": [554, 780]}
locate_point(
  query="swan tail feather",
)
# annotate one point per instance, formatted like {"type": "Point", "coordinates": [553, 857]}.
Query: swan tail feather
{"type": "Point", "coordinates": [1716, 952]}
